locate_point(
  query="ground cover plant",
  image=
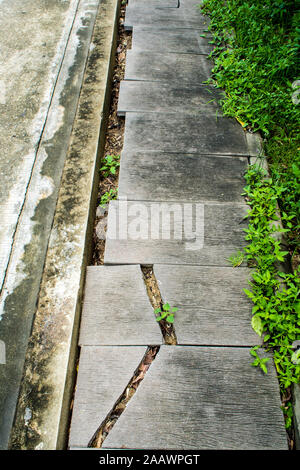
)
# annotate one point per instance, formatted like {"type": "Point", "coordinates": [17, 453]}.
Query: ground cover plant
{"type": "Point", "coordinates": [256, 63]}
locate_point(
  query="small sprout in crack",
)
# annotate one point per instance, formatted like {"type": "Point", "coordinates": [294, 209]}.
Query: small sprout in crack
{"type": "Point", "coordinates": [236, 259]}
{"type": "Point", "coordinates": [108, 196]}
{"type": "Point", "coordinates": [259, 362]}
{"type": "Point", "coordinates": [111, 163]}
{"type": "Point", "coordinates": [166, 313]}
{"type": "Point", "coordinates": [288, 413]}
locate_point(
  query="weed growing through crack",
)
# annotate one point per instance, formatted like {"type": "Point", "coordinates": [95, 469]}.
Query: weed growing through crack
{"type": "Point", "coordinates": [259, 362]}
{"type": "Point", "coordinates": [165, 313]}
{"type": "Point", "coordinates": [163, 310]}
{"type": "Point", "coordinates": [108, 196]}
{"type": "Point", "coordinates": [110, 166]}
{"type": "Point", "coordinates": [236, 259]}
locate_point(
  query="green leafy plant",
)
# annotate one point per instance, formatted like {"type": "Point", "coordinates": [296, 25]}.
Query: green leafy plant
{"type": "Point", "coordinates": [260, 362]}
{"type": "Point", "coordinates": [288, 414]}
{"type": "Point", "coordinates": [275, 294]}
{"type": "Point", "coordinates": [108, 196]}
{"type": "Point", "coordinates": [236, 259]}
{"type": "Point", "coordinates": [255, 56]}
{"type": "Point", "coordinates": [111, 163]}
{"type": "Point", "coordinates": [256, 63]}
{"type": "Point", "coordinates": [166, 313]}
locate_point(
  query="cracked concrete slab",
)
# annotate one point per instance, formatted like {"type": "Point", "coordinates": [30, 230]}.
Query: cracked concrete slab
{"type": "Point", "coordinates": [125, 319]}
{"type": "Point", "coordinates": [202, 398]}
{"type": "Point", "coordinates": [103, 375]}
{"type": "Point", "coordinates": [212, 307]}
{"type": "Point", "coordinates": [192, 396]}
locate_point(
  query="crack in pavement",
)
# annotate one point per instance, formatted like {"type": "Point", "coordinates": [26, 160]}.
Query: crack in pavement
{"type": "Point", "coordinates": [154, 294]}
{"type": "Point", "coordinates": [107, 424]}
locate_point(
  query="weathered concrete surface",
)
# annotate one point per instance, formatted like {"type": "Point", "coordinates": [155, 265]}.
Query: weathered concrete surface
{"type": "Point", "coordinates": [185, 134]}
{"type": "Point", "coordinates": [43, 408]}
{"type": "Point", "coordinates": [212, 307]}
{"type": "Point", "coordinates": [143, 232]}
{"type": "Point", "coordinates": [153, 3]}
{"type": "Point", "coordinates": [157, 97]}
{"type": "Point", "coordinates": [167, 67]}
{"type": "Point", "coordinates": [179, 41]}
{"type": "Point", "coordinates": [161, 4]}
{"type": "Point", "coordinates": [202, 398]}
{"type": "Point", "coordinates": [158, 176]}
{"type": "Point", "coordinates": [167, 18]}
{"type": "Point", "coordinates": [44, 46]}
{"type": "Point", "coordinates": [165, 3]}
{"type": "Point", "coordinates": [123, 319]}
{"type": "Point", "coordinates": [33, 37]}
{"type": "Point", "coordinates": [104, 373]}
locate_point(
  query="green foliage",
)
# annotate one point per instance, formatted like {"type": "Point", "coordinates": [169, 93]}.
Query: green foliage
{"type": "Point", "coordinates": [256, 63]}
{"type": "Point", "coordinates": [109, 167]}
{"type": "Point", "coordinates": [286, 174]}
{"type": "Point", "coordinates": [111, 163]}
{"type": "Point", "coordinates": [275, 295]}
{"type": "Point", "coordinates": [288, 414]}
{"type": "Point", "coordinates": [236, 259]}
{"type": "Point", "coordinates": [166, 313]}
{"type": "Point", "coordinates": [108, 196]}
{"type": "Point", "coordinates": [259, 362]}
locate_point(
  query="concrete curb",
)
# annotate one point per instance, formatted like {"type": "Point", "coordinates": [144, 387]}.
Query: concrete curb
{"type": "Point", "coordinates": [43, 410]}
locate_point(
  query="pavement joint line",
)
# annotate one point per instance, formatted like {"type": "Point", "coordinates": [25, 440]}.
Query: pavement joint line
{"type": "Point", "coordinates": [207, 203]}
{"type": "Point", "coordinates": [195, 154]}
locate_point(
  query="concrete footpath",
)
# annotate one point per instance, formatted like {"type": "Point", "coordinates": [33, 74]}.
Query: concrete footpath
{"type": "Point", "coordinates": [43, 53]}
{"type": "Point", "coordinates": [178, 217]}
{"type": "Point", "coordinates": [180, 213]}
